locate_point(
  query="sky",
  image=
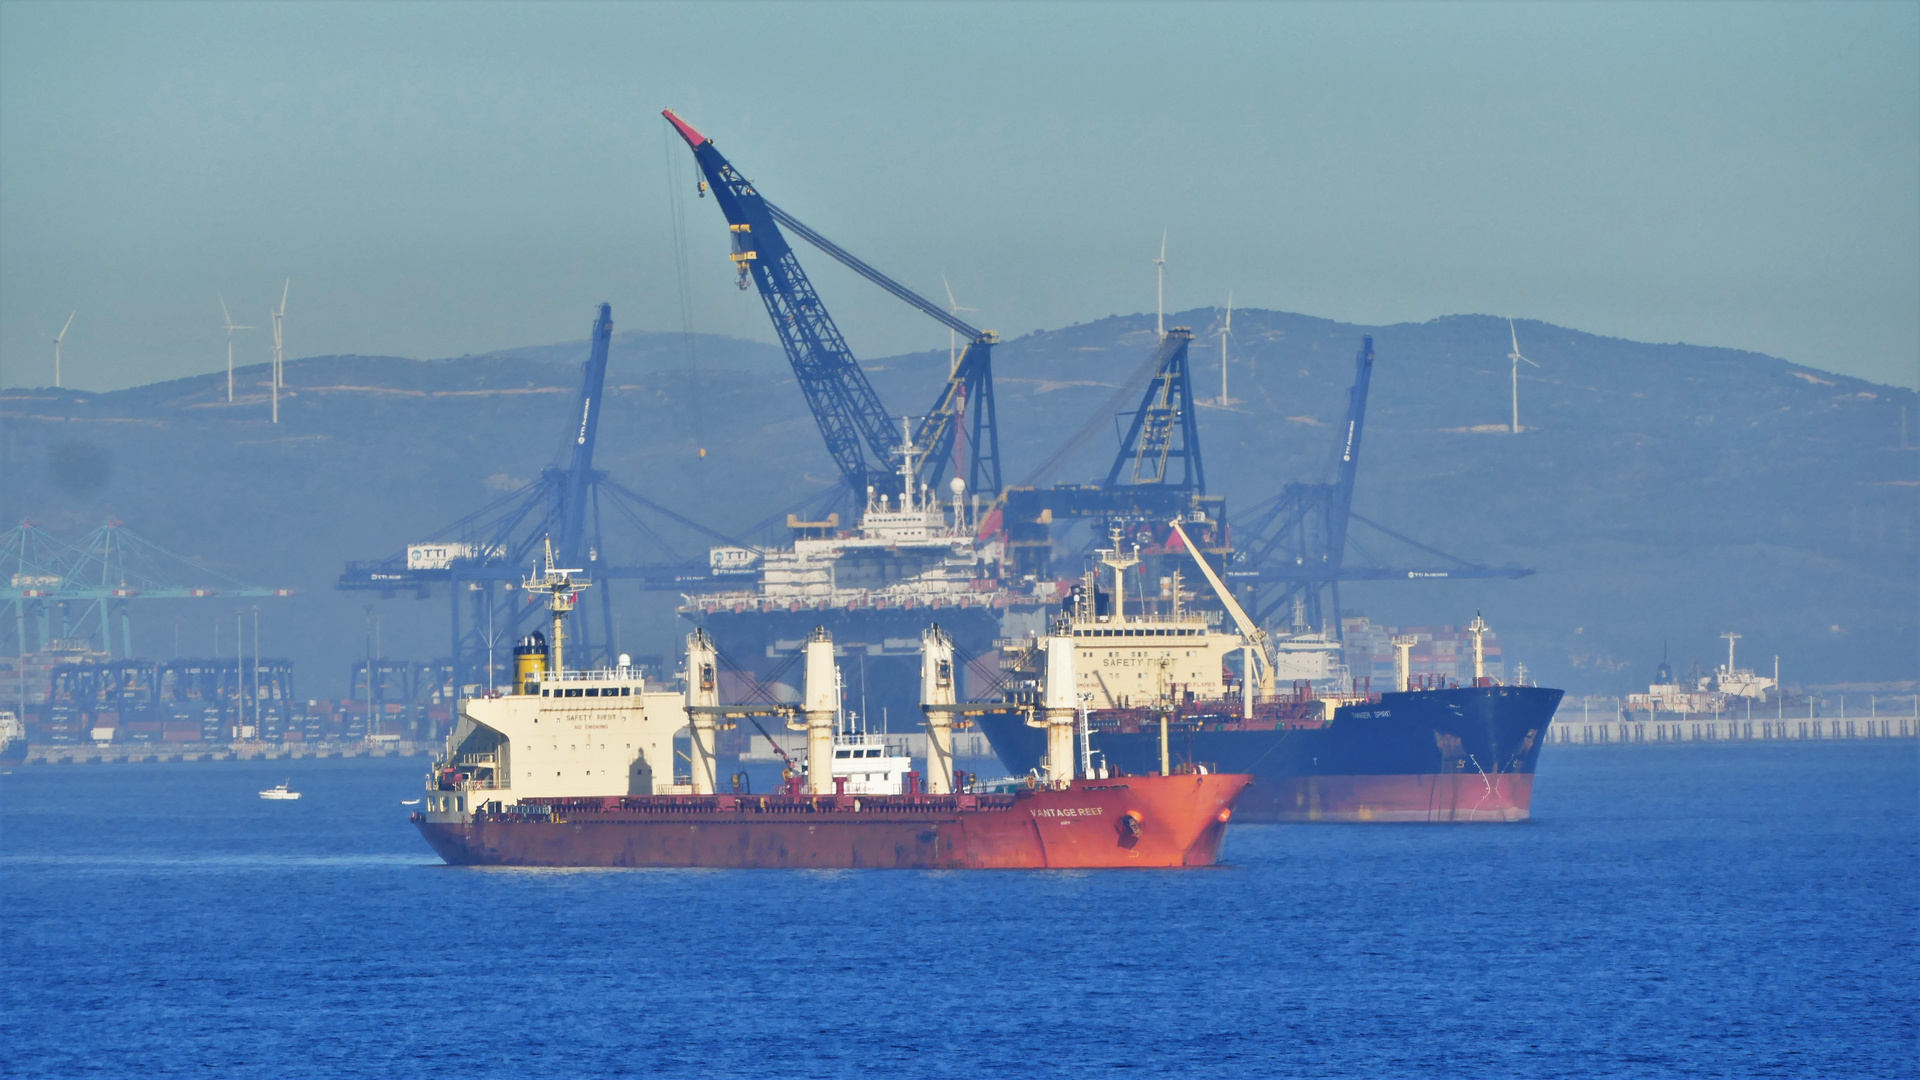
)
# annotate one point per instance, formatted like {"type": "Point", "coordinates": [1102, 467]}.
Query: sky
{"type": "Point", "coordinates": [438, 180]}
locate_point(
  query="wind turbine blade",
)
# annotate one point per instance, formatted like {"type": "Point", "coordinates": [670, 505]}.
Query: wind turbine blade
{"type": "Point", "coordinates": [64, 329]}
{"type": "Point", "coordinates": [1515, 335]}
{"type": "Point", "coordinates": [283, 295]}
{"type": "Point", "coordinates": [952, 304]}
{"type": "Point", "coordinates": [225, 315]}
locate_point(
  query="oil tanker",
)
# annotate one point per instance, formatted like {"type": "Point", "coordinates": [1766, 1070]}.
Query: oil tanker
{"type": "Point", "coordinates": [574, 768]}
{"type": "Point", "coordinates": [1153, 694]}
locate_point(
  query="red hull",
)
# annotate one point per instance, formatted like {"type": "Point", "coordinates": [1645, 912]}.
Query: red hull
{"type": "Point", "coordinates": [1175, 821]}
{"type": "Point", "coordinates": [1440, 798]}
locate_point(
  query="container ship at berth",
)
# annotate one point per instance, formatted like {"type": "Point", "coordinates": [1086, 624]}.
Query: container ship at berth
{"type": "Point", "coordinates": [573, 768]}
{"type": "Point", "coordinates": [1156, 695]}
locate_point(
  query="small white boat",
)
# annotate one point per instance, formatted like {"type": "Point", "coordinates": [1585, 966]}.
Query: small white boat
{"type": "Point", "coordinates": [409, 802]}
{"type": "Point", "coordinates": [279, 791]}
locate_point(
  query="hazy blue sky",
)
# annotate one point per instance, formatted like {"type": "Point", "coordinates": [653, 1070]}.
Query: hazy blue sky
{"type": "Point", "coordinates": [439, 180]}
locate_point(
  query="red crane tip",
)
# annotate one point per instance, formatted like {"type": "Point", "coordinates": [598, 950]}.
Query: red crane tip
{"type": "Point", "coordinates": [694, 138]}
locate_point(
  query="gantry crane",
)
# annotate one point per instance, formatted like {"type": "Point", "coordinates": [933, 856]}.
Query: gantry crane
{"type": "Point", "coordinates": [485, 555]}
{"type": "Point", "coordinates": [1294, 549]}
{"type": "Point", "coordinates": [860, 433]}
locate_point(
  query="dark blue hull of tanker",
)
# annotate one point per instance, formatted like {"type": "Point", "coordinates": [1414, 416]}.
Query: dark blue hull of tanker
{"type": "Point", "coordinates": [1457, 755]}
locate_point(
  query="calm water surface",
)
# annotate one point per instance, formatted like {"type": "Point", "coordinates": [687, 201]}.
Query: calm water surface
{"type": "Point", "coordinates": [1719, 911]}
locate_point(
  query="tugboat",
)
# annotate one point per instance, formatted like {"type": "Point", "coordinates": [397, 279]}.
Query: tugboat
{"type": "Point", "coordinates": [574, 768]}
{"type": "Point", "coordinates": [1158, 694]}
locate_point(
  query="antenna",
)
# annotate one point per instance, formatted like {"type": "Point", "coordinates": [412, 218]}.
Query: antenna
{"type": "Point", "coordinates": [1160, 303]}
{"type": "Point", "coordinates": [56, 348]}
{"type": "Point", "coordinates": [227, 317]}
{"type": "Point", "coordinates": [1516, 358]}
{"type": "Point", "coordinates": [953, 337]}
{"type": "Point", "coordinates": [1226, 331]}
{"type": "Point", "coordinates": [278, 352]}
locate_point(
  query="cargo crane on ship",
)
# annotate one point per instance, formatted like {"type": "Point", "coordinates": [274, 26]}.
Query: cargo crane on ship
{"type": "Point", "coordinates": [1292, 553]}
{"type": "Point", "coordinates": [484, 556]}
{"type": "Point", "coordinates": [861, 435]}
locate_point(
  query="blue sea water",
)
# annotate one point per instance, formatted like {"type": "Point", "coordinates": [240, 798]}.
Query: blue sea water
{"type": "Point", "coordinates": [1723, 910]}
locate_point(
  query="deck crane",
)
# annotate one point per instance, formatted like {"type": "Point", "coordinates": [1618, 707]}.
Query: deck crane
{"type": "Point", "coordinates": [1296, 543]}
{"type": "Point", "coordinates": [860, 434]}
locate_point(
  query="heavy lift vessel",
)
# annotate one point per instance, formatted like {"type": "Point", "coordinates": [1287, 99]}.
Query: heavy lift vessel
{"type": "Point", "coordinates": [572, 768]}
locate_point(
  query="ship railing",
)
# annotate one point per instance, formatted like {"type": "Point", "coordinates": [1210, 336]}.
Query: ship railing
{"type": "Point", "coordinates": [592, 675]}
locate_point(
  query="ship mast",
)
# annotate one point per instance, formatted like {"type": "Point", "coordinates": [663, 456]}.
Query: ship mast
{"type": "Point", "coordinates": [562, 593]}
{"type": "Point", "coordinates": [1120, 563]}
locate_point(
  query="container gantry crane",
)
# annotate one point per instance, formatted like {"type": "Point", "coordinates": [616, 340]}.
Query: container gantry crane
{"type": "Point", "coordinates": [859, 432]}
{"type": "Point", "coordinates": [490, 550]}
{"type": "Point", "coordinates": [1293, 551]}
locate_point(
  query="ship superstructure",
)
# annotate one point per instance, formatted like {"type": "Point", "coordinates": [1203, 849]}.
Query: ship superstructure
{"type": "Point", "coordinates": [1725, 690]}
{"type": "Point", "coordinates": [908, 551]}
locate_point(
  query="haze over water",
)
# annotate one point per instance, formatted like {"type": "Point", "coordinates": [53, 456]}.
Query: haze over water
{"type": "Point", "coordinates": [1713, 910]}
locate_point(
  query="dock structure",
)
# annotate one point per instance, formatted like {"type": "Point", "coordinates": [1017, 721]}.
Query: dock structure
{"type": "Point", "coordinates": [1579, 724]}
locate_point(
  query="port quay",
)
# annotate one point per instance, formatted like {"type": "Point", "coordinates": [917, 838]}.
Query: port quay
{"type": "Point", "coordinates": [1596, 721]}
{"type": "Point", "coordinates": [134, 753]}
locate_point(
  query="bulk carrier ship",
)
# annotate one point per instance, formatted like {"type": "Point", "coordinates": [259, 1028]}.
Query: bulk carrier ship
{"type": "Point", "coordinates": [1155, 693]}
{"type": "Point", "coordinates": [573, 768]}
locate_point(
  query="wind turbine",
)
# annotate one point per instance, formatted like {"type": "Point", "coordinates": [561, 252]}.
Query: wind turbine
{"type": "Point", "coordinates": [278, 354]}
{"type": "Point", "coordinates": [1160, 303]}
{"type": "Point", "coordinates": [56, 348]}
{"type": "Point", "coordinates": [231, 327]}
{"type": "Point", "coordinates": [953, 337]}
{"type": "Point", "coordinates": [1226, 331]}
{"type": "Point", "coordinates": [1516, 358]}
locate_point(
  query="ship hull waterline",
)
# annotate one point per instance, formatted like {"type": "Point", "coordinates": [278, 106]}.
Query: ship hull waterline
{"type": "Point", "coordinates": [1454, 756]}
{"type": "Point", "coordinates": [1144, 822]}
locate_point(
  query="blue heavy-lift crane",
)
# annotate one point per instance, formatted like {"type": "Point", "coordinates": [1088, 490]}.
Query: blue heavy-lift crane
{"type": "Point", "coordinates": [493, 548]}
{"type": "Point", "coordinates": [859, 432]}
{"type": "Point", "coordinates": [1294, 551]}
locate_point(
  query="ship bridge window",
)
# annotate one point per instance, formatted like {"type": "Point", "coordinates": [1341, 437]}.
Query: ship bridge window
{"type": "Point", "coordinates": [593, 691]}
{"type": "Point", "coordinates": [842, 753]}
{"type": "Point", "coordinates": [574, 691]}
{"type": "Point", "coordinates": [626, 691]}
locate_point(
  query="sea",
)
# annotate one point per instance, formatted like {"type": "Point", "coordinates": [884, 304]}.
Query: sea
{"type": "Point", "coordinates": [1713, 910]}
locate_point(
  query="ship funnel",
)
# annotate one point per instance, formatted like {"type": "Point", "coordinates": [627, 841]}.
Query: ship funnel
{"type": "Point", "coordinates": [703, 692]}
{"type": "Point", "coordinates": [530, 663]}
{"type": "Point", "coordinates": [1062, 704]}
{"type": "Point", "coordinates": [939, 695]}
{"type": "Point", "coordinates": [821, 699]}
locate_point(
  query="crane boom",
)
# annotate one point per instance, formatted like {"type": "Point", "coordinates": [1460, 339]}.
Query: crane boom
{"type": "Point", "coordinates": [844, 403]}
{"type": "Point", "coordinates": [859, 266]}
{"type": "Point", "coordinates": [1349, 464]}
{"type": "Point", "coordinates": [572, 511]}
{"type": "Point", "coordinates": [1255, 637]}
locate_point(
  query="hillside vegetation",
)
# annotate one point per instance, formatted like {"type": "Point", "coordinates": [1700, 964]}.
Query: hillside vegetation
{"type": "Point", "coordinates": [1664, 493]}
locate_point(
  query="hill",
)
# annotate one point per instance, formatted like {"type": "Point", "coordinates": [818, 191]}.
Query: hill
{"type": "Point", "coordinates": [1663, 492]}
